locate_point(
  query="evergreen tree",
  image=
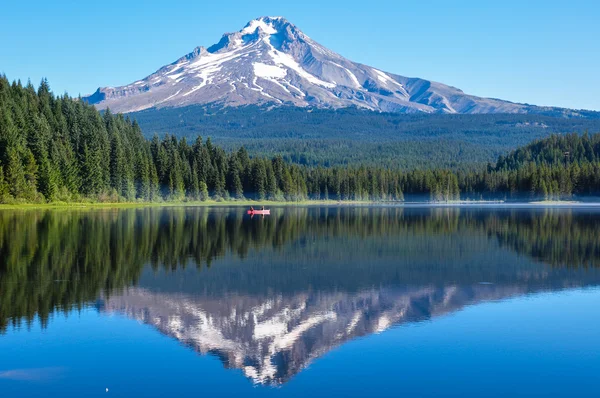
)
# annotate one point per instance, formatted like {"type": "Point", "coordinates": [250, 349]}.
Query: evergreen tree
{"type": "Point", "coordinates": [4, 195]}
{"type": "Point", "coordinates": [234, 183]}
{"type": "Point", "coordinates": [15, 175]}
{"type": "Point", "coordinates": [259, 180]}
{"type": "Point", "coordinates": [203, 191]}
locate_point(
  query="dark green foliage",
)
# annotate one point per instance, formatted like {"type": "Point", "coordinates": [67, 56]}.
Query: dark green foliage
{"type": "Point", "coordinates": [57, 148]}
{"type": "Point", "coordinates": [353, 136]}
{"type": "Point", "coordinates": [234, 183]}
{"type": "Point", "coordinates": [558, 167]}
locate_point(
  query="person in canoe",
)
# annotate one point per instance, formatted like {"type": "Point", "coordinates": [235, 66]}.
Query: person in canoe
{"type": "Point", "coordinates": [252, 208]}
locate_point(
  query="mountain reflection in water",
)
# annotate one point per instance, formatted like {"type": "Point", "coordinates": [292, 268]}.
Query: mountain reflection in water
{"type": "Point", "coordinates": [269, 295]}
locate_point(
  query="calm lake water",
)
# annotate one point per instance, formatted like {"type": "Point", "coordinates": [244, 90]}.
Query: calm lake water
{"type": "Point", "coordinates": [311, 301]}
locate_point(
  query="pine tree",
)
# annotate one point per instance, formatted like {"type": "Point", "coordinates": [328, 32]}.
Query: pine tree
{"type": "Point", "coordinates": [91, 171]}
{"type": "Point", "coordinates": [544, 190]}
{"type": "Point", "coordinates": [3, 186]}
{"type": "Point", "coordinates": [271, 182]}
{"type": "Point", "coordinates": [259, 180]}
{"type": "Point", "coordinates": [116, 163]}
{"type": "Point", "coordinates": [48, 178]}
{"type": "Point", "coordinates": [203, 191]}
{"type": "Point", "coordinates": [234, 183]}
{"type": "Point", "coordinates": [154, 184]}
{"type": "Point", "coordinates": [194, 191]}
{"type": "Point", "coordinates": [142, 178]}
{"type": "Point", "coordinates": [15, 175]}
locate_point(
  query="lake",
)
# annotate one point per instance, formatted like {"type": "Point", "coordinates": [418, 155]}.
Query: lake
{"type": "Point", "coordinates": [310, 301]}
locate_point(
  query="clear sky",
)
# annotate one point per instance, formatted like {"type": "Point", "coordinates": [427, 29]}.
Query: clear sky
{"type": "Point", "coordinates": [539, 52]}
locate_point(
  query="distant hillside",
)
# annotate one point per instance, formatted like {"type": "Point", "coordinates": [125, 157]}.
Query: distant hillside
{"type": "Point", "coordinates": [554, 150]}
{"type": "Point", "coordinates": [352, 136]}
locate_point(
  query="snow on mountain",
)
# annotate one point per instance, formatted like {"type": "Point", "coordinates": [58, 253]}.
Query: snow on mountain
{"type": "Point", "coordinates": [270, 61]}
{"type": "Point", "coordinates": [271, 339]}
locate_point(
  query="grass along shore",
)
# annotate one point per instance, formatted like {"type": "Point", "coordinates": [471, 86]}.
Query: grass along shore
{"type": "Point", "coordinates": [207, 203]}
{"type": "Point", "coordinates": [267, 203]}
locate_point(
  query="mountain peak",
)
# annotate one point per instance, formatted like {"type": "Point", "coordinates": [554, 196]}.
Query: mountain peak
{"type": "Point", "coordinates": [269, 25]}
{"type": "Point", "coordinates": [275, 30]}
{"type": "Point", "coordinates": [272, 62]}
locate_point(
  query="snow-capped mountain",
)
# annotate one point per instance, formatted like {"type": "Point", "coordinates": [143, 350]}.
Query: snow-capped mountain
{"type": "Point", "coordinates": [272, 62]}
{"type": "Point", "coordinates": [271, 339]}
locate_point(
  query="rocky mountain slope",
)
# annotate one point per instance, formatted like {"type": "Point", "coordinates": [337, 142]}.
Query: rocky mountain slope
{"type": "Point", "coordinates": [272, 62]}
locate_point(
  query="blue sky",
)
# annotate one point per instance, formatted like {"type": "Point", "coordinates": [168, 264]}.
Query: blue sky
{"type": "Point", "coordinates": [539, 52]}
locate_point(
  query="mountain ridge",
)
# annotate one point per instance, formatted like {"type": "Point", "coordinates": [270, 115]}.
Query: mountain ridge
{"type": "Point", "coordinates": [272, 62]}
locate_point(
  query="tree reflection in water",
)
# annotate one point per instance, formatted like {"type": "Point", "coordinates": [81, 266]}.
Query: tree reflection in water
{"type": "Point", "coordinates": [267, 295]}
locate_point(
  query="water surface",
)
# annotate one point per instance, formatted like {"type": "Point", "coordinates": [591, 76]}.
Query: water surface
{"type": "Point", "coordinates": [321, 301]}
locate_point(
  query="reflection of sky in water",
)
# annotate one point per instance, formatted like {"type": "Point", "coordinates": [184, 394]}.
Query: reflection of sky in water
{"type": "Point", "coordinates": [544, 344]}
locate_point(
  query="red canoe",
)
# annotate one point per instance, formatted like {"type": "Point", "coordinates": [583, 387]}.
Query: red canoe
{"type": "Point", "coordinates": [262, 212]}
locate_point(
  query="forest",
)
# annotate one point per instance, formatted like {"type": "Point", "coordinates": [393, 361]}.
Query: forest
{"type": "Point", "coordinates": [350, 136]}
{"type": "Point", "coordinates": [59, 149]}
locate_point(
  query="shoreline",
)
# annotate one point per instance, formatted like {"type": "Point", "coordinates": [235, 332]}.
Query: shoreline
{"type": "Point", "coordinates": [304, 203]}
{"type": "Point", "coordinates": [208, 203]}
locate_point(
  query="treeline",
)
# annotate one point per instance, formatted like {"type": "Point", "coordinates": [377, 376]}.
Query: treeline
{"type": "Point", "coordinates": [351, 136]}
{"type": "Point", "coordinates": [61, 149]}
{"type": "Point", "coordinates": [557, 167]}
